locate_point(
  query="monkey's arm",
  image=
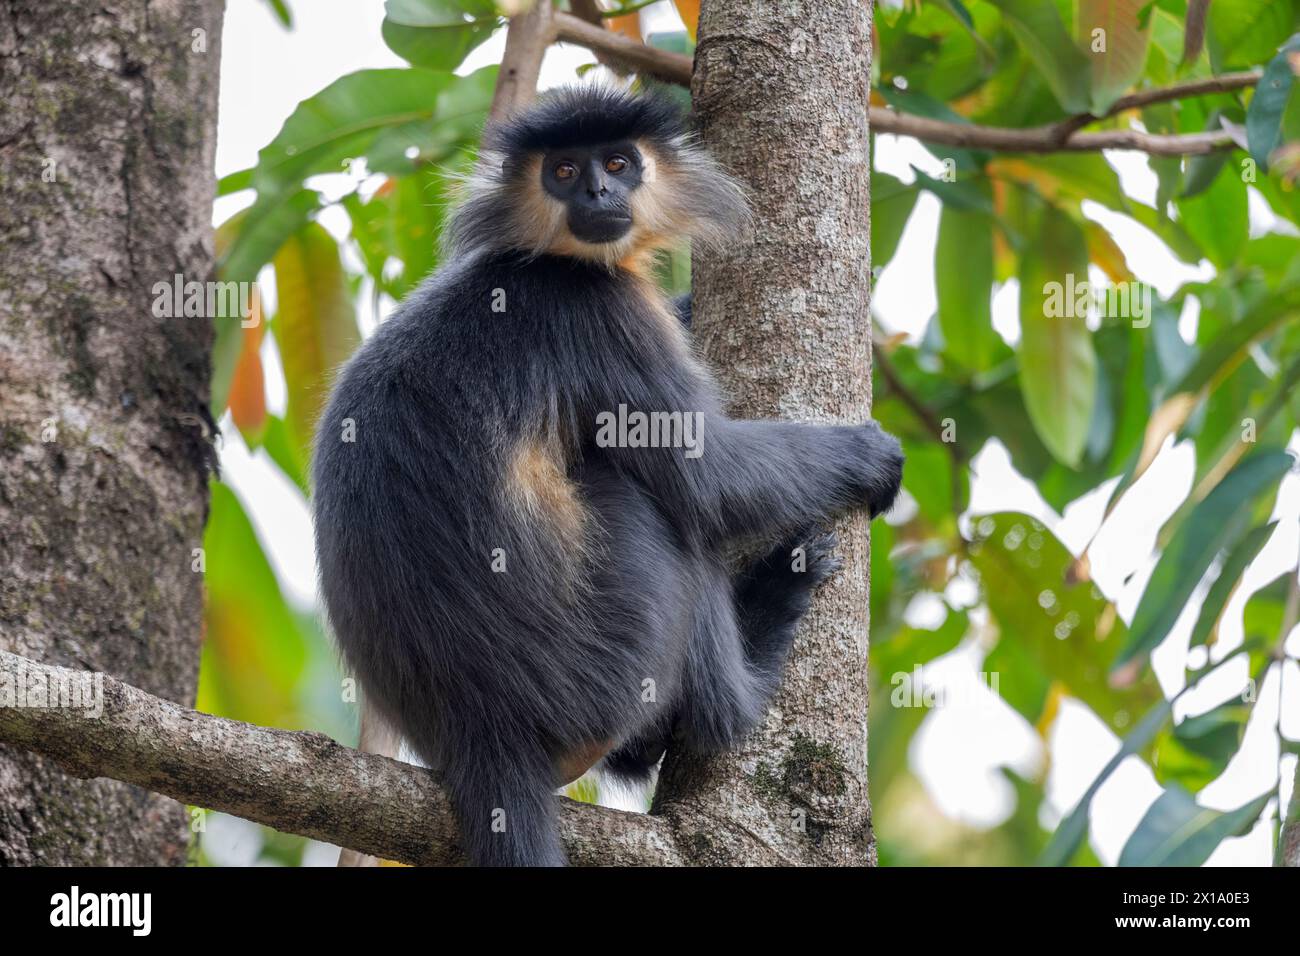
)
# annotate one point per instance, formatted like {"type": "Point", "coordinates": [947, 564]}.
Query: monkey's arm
{"type": "Point", "coordinates": [767, 478]}
{"type": "Point", "coordinates": [771, 476]}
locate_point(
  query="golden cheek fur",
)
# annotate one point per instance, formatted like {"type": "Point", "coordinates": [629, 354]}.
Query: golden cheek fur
{"type": "Point", "coordinates": [541, 220]}
{"type": "Point", "coordinates": [684, 196]}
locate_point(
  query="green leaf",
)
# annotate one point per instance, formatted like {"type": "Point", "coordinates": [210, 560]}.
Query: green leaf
{"type": "Point", "coordinates": [226, 348]}
{"type": "Point", "coordinates": [281, 11]}
{"type": "Point", "coordinates": [228, 340]}
{"type": "Point", "coordinates": [437, 34]}
{"type": "Point", "coordinates": [1265, 611]}
{"type": "Point", "coordinates": [1218, 219]}
{"type": "Point", "coordinates": [434, 13]}
{"type": "Point", "coordinates": [963, 270]}
{"type": "Point", "coordinates": [1216, 733]}
{"type": "Point", "coordinates": [1038, 29]}
{"type": "Point", "coordinates": [235, 182]}
{"type": "Point", "coordinates": [1216, 523]}
{"type": "Point", "coordinates": [961, 193]}
{"type": "Point", "coordinates": [911, 647]}
{"type": "Point", "coordinates": [1264, 117]}
{"type": "Point", "coordinates": [381, 112]}
{"type": "Point", "coordinates": [254, 652]}
{"type": "Point", "coordinates": [1022, 683]}
{"type": "Point", "coordinates": [262, 230]}
{"type": "Point", "coordinates": [929, 479]}
{"type": "Point", "coordinates": [1071, 831]}
{"type": "Point", "coordinates": [1173, 762]}
{"type": "Point", "coordinates": [1067, 628]}
{"type": "Point", "coordinates": [1177, 832]}
{"type": "Point", "coordinates": [283, 451]}
{"type": "Point", "coordinates": [402, 223]}
{"type": "Point", "coordinates": [1118, 53]}
{"type": "Point", "coordinates": [1197, 751]}
{"type": "Point", "coordinates": [1247, 32]}
{"type": "Point", "coordinates": [1169, 231]}
{"type": "Point", "coordinates": [314, 325]}
{"type": "Point", "coordinates": [1058, 367]}
{"type": "Point", "coordinates": [892, 202]}
{"type": "Point", "coordinates": [1217, 360]}
{"type": "Point", "coordinates": [1202, 171]}
{"type": "Point", "coordinates": [883, 573]}
{"type": "Point", "coordinates": [1077, 176]}
{"type": "Point", "coordinates": [1234, 566]}
{"type": "Point", "coordinates": [344, 120]}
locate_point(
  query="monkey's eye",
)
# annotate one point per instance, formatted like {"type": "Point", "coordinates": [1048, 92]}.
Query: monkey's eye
{"type": "Point", "coordinates": [616, 164]}
{"type": "Point", "coordinates": [565, 171]}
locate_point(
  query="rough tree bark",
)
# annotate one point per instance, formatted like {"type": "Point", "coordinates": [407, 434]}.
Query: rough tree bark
{"type": "Point", "coordinates": [106, 169]}
{"type": "Point", "coordinates": [781, 96]}
{"type": "Point", "coordinates": [1288, 844]}
{"type": "Point", "coordinates": [301, 783]}
{"type": "Point", "coordinates": [780, 93]}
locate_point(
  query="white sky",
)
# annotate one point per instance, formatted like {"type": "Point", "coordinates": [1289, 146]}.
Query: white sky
{"type": "Point", "coordinates": [267, 70]}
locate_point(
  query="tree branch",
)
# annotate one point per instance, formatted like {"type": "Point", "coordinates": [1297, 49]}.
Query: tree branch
{"type": "Point", "coordinates": [590, 11]}
{"type": "Point", "coordinates": [1288, 844]}
{"type": "Point", "coordinates": [1063, 136]}
{"type": "Point", "coordinates": [926, 416]}
{"type": "Point", "coordinates": [527, 37]}
{"type": "Point", "coordinates": [302, 783]}
{"type": "Point", "coordinates": [1223, 83]}
{"type": "Point", "coordinates": [641, 57]}
{"type": "Point", "coordinates": [1043, 139]}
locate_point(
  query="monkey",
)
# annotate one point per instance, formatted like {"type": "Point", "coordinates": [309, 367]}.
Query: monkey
{"type": "Point", "coordinates": [522, 589]}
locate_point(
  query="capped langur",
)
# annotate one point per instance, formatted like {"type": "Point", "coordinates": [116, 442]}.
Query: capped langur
{"type": "Point", "coordinates": [526, 485]}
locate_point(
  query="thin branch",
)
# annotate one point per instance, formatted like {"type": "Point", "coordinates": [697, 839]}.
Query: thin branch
{"type": "Point", "coordinates": [590, 11]}
{"type": "Point", "coordinates": [302, 783]}
{"type": "Point", "coordinates": [662, 64]}
{"type": "Point", "coordinates": [1043, 139]}
{"type": "Point", "coordinates": [527, 38]}
{"type": "Point", "coordinates": [1223, 83]}
{"type": "Point", "coordinates": [1063, 136]}
{"type": "Point", "coordinates": [1288, 841]}
{"type": "Point", "coordinates": [926, 416]}
{"type": "Point", "coordinates": [1288, 845]}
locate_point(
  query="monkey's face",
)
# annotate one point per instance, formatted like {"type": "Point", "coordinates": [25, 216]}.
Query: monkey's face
{"type": "Point", "coordinates": [595, 186]}
{"type": "Point", "coordinates": [599, 175]}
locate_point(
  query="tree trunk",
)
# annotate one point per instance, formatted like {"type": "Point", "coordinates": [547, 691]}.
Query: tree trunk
{"type": "Point", "coordinates": [780, 92]}
{"type": "Point", "coordinates": [106, 167]}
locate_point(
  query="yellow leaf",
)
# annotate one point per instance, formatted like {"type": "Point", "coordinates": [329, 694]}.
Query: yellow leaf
{"type": "Point", "coordinates": [1165, 420]}
{"type": "Point", "coordinates": [689, 10]}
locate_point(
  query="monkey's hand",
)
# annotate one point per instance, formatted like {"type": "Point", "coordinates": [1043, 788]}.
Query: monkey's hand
{"type": "Point", "coordinates": [876, 459]}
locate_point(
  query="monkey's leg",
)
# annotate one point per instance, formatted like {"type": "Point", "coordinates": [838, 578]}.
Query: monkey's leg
{"type": "Point", "coordinates": [636, 759]}
{"type": "Point", "coordinates": [770, 597]}
{"type": "Point", "coordinates": [377, 737]}
{"type": "Point", "coordinates": [773, 594]}
{"type": "Point", "coordinates": [723, 695]}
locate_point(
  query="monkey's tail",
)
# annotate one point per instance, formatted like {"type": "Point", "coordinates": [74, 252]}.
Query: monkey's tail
{"type": "Point", "coordinates": [504, 800]}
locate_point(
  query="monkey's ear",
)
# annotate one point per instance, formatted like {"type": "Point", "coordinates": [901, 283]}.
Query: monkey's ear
{"type": "Point", "coordinates": [717, 205]}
